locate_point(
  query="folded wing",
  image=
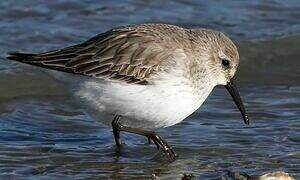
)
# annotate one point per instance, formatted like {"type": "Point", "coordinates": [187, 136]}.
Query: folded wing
{"type": "Point", "coordinates": [125, 55]}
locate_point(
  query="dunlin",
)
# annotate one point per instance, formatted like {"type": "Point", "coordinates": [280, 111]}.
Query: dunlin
{"type": "Point", "coordinates": [143, 77]}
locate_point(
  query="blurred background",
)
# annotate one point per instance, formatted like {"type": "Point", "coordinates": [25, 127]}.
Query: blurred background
{"type": "Point", "coordinates": [44, 134]}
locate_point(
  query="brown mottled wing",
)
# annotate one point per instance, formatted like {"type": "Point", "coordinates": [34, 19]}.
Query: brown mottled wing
{"type": "Point", "coordinates": [125, 55]}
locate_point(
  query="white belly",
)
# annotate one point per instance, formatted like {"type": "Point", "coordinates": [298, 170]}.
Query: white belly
{"type": "Point", "coordinates": [145, 106]}
{"type": "Point", "coordinates": [150, 106]}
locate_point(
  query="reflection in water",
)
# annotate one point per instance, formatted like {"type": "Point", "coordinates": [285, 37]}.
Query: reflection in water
{"type": "Point", "coordinates": [44, 134]}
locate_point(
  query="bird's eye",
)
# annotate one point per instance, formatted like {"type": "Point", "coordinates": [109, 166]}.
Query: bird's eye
{"type": "Point", "coordinates": [225, 63]}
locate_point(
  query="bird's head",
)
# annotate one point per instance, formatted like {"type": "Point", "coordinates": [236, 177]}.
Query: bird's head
{"type": "Point", "coordinates": [222, 59]}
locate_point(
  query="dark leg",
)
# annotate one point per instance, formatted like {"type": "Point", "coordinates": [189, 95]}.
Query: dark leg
{"type": "Point", "coordinates": [158, 140]}
{"type": "Point", "coordinates": [116, 130]}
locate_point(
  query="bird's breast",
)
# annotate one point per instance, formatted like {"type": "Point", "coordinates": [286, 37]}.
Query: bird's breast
{"type": "Point", "coordinates": [151, 106]}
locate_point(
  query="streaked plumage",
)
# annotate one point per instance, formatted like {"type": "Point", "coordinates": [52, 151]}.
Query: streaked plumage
{"type": "Point", "coordinates": [153, 75]}
{"type": "Point", "coordinates": [131, 54]}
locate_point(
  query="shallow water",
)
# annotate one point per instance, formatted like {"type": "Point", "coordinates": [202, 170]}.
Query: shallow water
{"type": "Point", "coordinates": [44, 134]}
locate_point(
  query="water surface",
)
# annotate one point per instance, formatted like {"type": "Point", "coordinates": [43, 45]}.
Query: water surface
{"type": "Point", "coordinates": [45, 134]}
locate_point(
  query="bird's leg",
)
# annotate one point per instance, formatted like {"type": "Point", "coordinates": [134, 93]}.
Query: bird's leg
{"type": "Point", "coordinates": [158, 140]}
{"type": "Point", "coordinates": [116, 126]}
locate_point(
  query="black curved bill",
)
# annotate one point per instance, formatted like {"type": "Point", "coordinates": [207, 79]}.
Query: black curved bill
{"type": "Point", "coordinates": [231, 88]}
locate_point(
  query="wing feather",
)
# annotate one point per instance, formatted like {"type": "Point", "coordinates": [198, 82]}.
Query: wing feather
{"type": "Point", "coordinates": [129, 55]}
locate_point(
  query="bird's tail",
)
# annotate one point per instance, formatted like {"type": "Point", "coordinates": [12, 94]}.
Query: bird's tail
{"type": "Point", "coordinates": [21, 57]}
{"type": "Point", "coordinates": [55, 60]}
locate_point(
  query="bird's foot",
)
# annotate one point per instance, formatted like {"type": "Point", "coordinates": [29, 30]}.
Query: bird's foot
{"type": "Point", "coordinates": [163, 145]}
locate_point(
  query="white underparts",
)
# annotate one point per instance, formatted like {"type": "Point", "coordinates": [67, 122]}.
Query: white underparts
{"type": "Point", "coordinates": [153, 106]}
